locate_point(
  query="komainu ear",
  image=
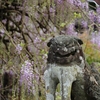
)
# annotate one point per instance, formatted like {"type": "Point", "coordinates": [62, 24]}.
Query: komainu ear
{"type": "Point", "coordinates": [50, 42]}
{"type": "Point", "coordinates": [79, 41]}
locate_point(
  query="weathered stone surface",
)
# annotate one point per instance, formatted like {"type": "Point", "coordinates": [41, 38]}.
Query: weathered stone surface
{"type": "Point", "coordinates": [78, 92]}
{"type": "Point", "coordinates": [66, 65]}
{"type": "Point", "coordinates": [63, 75]}
{"type": "Point", "coordinates": [92, 83]}
{"type": "Point", "coordinates": [87, 88]}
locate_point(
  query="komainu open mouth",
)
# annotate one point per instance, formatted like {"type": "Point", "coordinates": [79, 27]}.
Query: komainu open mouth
{"type": "Point", "coordinates": [57, 54]}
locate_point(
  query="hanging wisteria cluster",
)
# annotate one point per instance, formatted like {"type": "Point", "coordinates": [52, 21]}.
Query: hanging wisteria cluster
{"type": "Point", "coordinates": [27, 76]}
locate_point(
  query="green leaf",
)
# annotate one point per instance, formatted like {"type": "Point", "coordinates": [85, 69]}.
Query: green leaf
{"type": "Point", "coordinates": [62, 24]}
{"type": "Point", "coordinates": [22, 44]}
{"type": "Point", "coordinates": [77, 15]}
{"type": "Point", "coordinates": [43, 39]}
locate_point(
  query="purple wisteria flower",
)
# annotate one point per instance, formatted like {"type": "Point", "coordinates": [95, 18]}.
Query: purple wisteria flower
{"type": "Point", "coordinates": [18, 18]}
{"type": "Point", "coordinates": [70, 1]}
{"type": "Point", "coordinates": [84, 24]}
{"type": "Point", "coordinates": [2, 31]}
{"type": "Point", "coordinates": [98, 19]}
{"type": "Point", "coordinates": [70, 29]}
{"type": "Point", "coordinates": [98, 10]}
{"type": "Point", "coordinates": [19, 48]}
{"type": "Point", "coordinates": [27, 76]}
{"type": "Point", "coordinates": [37, 40]}
{"type": "Point", "coordinates": [59, 1]}
{"type": "Point", "coordinates": [95, 38]}
{"type": "Point", "coordinates": [92, 16]}
{"type": "Point", "coordinates": [85, 6]}
{"type": "Point", "coordinates": [52, 10]}
{"type": "Point", "coordinates": [77, 3]}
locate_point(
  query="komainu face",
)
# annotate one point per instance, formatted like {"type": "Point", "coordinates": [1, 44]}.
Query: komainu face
{"type": "Point", "coordinates": [64, 50]}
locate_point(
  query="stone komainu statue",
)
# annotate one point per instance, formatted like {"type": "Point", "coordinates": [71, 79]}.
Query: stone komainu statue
{"type": "Point", "coordinates": [66, 65]}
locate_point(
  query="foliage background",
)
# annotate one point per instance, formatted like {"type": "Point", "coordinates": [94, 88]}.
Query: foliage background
{"type": "Point", "coordinates": [25, 28]}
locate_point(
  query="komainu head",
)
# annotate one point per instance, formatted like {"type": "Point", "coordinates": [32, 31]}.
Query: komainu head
{"type": "Point", "coordinates": [65, 50]}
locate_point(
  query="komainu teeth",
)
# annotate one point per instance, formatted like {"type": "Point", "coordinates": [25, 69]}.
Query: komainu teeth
{"type": "Point", "coordinates": [65, 49]}
{"type": "Point", "coordinates": [58, 49]}
{"type": "Point", "coordinates": [73, 48]}
{"type": "Point", "coordinates": [78, 51]}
